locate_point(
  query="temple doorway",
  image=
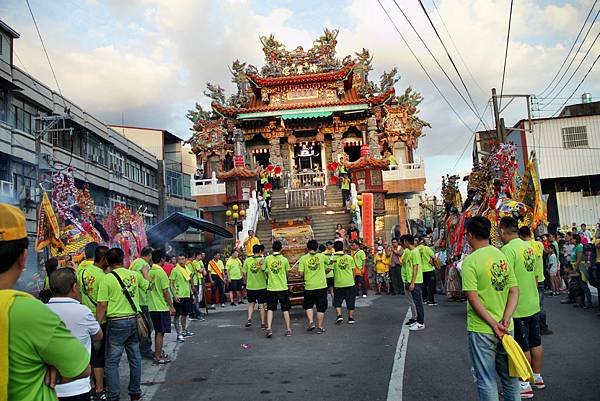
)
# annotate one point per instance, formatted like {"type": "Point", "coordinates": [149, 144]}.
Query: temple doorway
{"type": "Point", "coordinates": [352, 149]}
{"type": "Point", "coordinates": [261, 157]}
{"type": "Point", "coordinates": [307, 161]}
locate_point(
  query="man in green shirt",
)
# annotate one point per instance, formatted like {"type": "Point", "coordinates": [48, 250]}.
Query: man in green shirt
{"type": "Point", "coordinates": [181, 288]}
{"type": "Point", "coordinates": [345, 186]}
{"type": "Point", "coordinates": [426, 254]}
{"type": "Point", "coordinates": [413, 279]}
{"type": "Point", "coordinates": [34, 342]}
{"type": "Point", "coordinates": [88, 281]}
{"type": "Point", "coordinates": [121, 330]}
{"type": "Point", "coordinates": [311, 266]}
{"type": "Point", "coordinates": [490, 285]}
{"type": "Point", "coordinates": [198, 272]}
{"type": "Point", "coordinates": [276, 268]}
{"type": "Point", "coordinates": [89, 251]}
{"type": "Point", "coordinates": [360, 267]}
{"type": "Point", "coordinates": [343, 276]}
{"type": "Point", "coordinates": [521, 257]}
{"type": "Point", "coordinates": [328, 254]}
{"type": "Point", "coordinates": [159, 304]}
{"type": "Point", "coordinates": [233, 275]}
{"type": "Point", "coordinates": [256, 284]}
{"type": "Point", "coordinates": [137, 265]}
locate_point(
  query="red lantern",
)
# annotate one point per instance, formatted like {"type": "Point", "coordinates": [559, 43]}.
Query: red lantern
{"type": "Point", "coordinates": [270, 168]}
{"type": "Point", "coordinates": [277, 170]}
{"type": "Point", "coordinates": [334, 180]}
{"type": "Point", "coordinates": [268, 186]}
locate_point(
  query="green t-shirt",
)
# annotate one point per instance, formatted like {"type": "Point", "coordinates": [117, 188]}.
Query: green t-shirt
{"type": "Point", "coordinates": [326, 258]}
{"type": "Point", "coordinates": [487, 272]}
{"type": "Point", "coordinates": [276, 268]}
{"type": "Point", "coordinates": [343, 270]}
{"type": "Point", "coordinates": [92, 275]}
{"type": "Point", "coordinates": [181, 283]}
{"type": "Point", "coordinates": [359, 258]}
{"type": "Point", "coordinates": [521, 258]}
{"type": "Point", "coordinates": [577, 249]}
{"type": "Point", "coordinates": [234, 268]}
{"type": "Point", "coordinates": [158, 283]}
{"type": "Point", "coordinates": [255, 276]}
{"type": "Point", "coordinates": [37, 338]}
{"type": "Point", "coordinates": [411, 257]}
{"type": "Point", "coordinates": [313, 268]}
{"type": "Point", "coordinates": [197, 266]}
{"type": "Point", "coordinates": [137, 266]}
{"type": "Point", "coordinates": [426, 254]}
{"type": "Point", "coordinates": [110, 291]}
{"type": "Point", "coordinates": [538, 249]}
{"type": "Point", "coordinates": [84, 263]}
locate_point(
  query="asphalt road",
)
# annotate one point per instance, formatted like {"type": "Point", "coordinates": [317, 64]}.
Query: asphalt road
{"type": "Point", "coordinates": [225, 361]}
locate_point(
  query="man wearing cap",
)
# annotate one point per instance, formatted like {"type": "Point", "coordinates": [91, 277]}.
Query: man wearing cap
{"type": "Point", "coordinates": [37, 351]}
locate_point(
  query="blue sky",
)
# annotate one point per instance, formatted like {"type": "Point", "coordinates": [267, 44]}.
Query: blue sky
{"type": "Point", "coordinates": [149, 60]}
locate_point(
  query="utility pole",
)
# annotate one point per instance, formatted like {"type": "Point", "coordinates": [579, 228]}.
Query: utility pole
{"type": "Point", "coordinates": [499, 122]}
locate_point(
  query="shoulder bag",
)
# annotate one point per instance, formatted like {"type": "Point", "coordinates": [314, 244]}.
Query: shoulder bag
{"type": "Point", "coordinates": [143, 328]}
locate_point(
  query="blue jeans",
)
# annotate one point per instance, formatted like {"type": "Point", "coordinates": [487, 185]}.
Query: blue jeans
{"type": "Point", "coordinates": [418, 300]}
{"type": "Point", "coordinates": [122, 334]}
{"type": "Point", "coordinates": [489, 358]}
{"type": "Point", "coordinates": [543, 323]}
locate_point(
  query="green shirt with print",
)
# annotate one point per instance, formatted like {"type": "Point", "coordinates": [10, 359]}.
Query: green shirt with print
{"type": "Point", "coordinates": [84, 263]}
{"type": "Point", "coordinates": [359, 257]}
{"type": "Point", "coordinates": [343, 270]}
{"type": "Point", "coordinates": [181, 283]}
{"type": "Point", "coordinates": [521, 258]}
{"type": "Point", "coordinates": [198, 266]}
{"type": "Point", "coordinates": [137, 266]}
{"type": "Point", "coordinates": [88, 281]}
{"type": "Point", "coordinates": [255, 276]}
{"type": "Point", "coordinates": [110, 291]}
{"type": "Point", "coordinates": [538, 249]}
{"type": "Point", "coordinates": [158, 283]}
{"type": "Point", "coordinates": [37, 338]}
{"type": "Point", "coordinates": [234, 268]}
{"type": "Point", "coordinates": [313, 268]}
{"type": "Point", "coordinates": [487, 271]}
{"type": "Point", "coordinates": [426, 254]}
{"type": "Point", "coordinates": [276, 268]}
{"type": "Point", "coordinates": [408, 262]}
{"type": "Point", "coordinates": [326, 256]}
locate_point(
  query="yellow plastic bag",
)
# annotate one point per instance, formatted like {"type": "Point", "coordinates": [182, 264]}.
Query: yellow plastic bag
{"type": "Point", "coordinates": [518, 365]}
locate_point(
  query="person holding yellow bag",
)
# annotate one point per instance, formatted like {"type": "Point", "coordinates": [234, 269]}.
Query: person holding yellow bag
{"type": "Point", "coordinates": [491, 287]}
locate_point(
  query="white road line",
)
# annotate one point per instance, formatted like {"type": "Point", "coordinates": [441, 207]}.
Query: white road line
{"type": "Point", "coordinates": [397, 378]}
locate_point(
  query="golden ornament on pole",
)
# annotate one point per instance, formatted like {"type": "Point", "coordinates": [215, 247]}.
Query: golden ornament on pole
{"type": "Point", "coordinates": [242, 213]}
{"type": "Point", "coordinates": [228, 213]}
{"type": "Point", "coordinates": [235, 215]}
{"type": "Point", "coordinates": [235, 208]}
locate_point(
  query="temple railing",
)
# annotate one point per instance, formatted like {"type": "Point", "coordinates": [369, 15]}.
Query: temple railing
{"type": "Point", "coordinates": [404, 171]}
{"type": "Point", "coordinates": [210, 186]}
{"type": "Point", "coordinates": [305, 179]}
{"type": "Point", "coordinates": [305, 197]}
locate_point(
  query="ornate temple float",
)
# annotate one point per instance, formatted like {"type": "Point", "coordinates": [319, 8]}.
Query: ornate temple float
{"type": "Point", "coordinates": [300, 114]}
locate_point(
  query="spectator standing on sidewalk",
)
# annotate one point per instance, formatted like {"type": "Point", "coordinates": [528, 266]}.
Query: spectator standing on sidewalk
{"type": "Point", "coordinates": [122, 332]}
{"type": "Point", "coordinates": [427, 254]}
{"type": "Point", "coordinates": [216, 271]}
{"type": "Point", "coordinates": [160, 305]}
{"type": "Point", "coordinates": [137, 265]}
{"type": "Point", "coordinates": [360, 267]}
{"type": "Point", "coordinates": [80, 321]}
{"type": "Point", "coordinates": [413, 279]}
{"type": "Point", "coordinates": [491, 288]}
{"type": "Point", "coordinates": [396, 268]}
{"type": "Point", "coordinates": [35, 346]}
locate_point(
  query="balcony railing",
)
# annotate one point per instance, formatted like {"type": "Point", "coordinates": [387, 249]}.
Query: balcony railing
{"type": "Point", "coordinates": [210, 186]}
{"type": "Point", "coordinates": [305, 179]}
{"type": "Point", "coordinates": [404, 171]}
{"type": "Point", "coordinates": [305, 197]}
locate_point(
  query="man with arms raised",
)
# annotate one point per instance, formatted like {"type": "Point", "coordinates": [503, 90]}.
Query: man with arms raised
{"type": "Point", "coordinates": [491, 287]}
{"type": "Point", "coordinates": [36, 348]}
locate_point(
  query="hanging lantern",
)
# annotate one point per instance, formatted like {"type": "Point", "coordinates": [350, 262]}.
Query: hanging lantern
{"type": "Point", "coordinates": [292, 139]}
{"type": "Point", "coordinates": [235, 207]}
{"type": "Point", "coordinates": [228, 213]}
{"type": "Point", "coordinates": [242, 213]}
{"type": "Point", "coordinates": [235, 215]}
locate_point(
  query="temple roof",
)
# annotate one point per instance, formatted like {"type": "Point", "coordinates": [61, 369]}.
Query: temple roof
{"type": "Point", "coordinates": [367, 161]}
{"type": "Point", "coordinates": [329, 76]}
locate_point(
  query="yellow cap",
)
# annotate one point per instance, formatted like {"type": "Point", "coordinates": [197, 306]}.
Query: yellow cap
{"type": "Point", "coordinates": [12, 223]}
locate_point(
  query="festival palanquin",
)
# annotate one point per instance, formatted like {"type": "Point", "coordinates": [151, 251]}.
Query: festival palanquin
{"type": "Point", "coordinates": [67, 223]}
{"type": "Point", "coordinates": [305, 118]}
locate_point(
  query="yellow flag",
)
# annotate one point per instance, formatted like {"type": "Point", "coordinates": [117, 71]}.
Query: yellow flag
{"type": "Point", "coordinates": [48, 231]}
{"type": "Point", "coordinates": [530, 194]}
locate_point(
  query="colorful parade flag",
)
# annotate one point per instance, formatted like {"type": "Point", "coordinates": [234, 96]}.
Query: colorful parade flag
{"type": "Point", "coordinates": [48, 231]}
{"type": "Point", "coordinates": [530, 194]}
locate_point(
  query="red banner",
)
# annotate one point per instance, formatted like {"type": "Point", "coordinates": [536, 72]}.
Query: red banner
{"type": "Point", "coordinates": [367, 220]}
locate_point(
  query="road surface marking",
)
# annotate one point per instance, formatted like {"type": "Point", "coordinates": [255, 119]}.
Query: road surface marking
{"type": "Point", "coordinates": [397, 377]}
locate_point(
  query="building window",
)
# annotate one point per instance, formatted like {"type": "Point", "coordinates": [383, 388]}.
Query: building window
{"type": "Point", "coordinates": [575, 137]}
{"type": "Point", "coordinates": [174, 183]}
{"type": "Point", "coordinates": [116, 161]}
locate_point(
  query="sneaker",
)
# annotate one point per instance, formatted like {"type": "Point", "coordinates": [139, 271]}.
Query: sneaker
{"type": "Point", "coordinates": [311, 327]}
{"type": "Point", "coordinates": [157, 362]}
{"type": "Point", "coordinates": [193, 319]}
{"type": "Point", "coordinates": [269, 333]}
{"type": "Point", "coordinates": [364, 295]}
{"type": "Point", "coordinates": [410, 322]}
{"type": "Point", "coordinates": [538, 383]}
{"type": "Point", "coordinates": [101, 396]}
{"type": "Point", "coordinates": [263, 326]}
{"type": "Point", "coordinates": [526, 391]}
{"type": "Point", "coordinates": [212, 307]}
{"type": "Point", "coordinates": [222, 305]}
{"type": "Point", "coordinates": [187, 333]}
{"type": "Point", "coordinates": [417, 327]}
{"type": "Point", "coordinates": [180, 339]}
{"type": "Point", "coordinates": [288, 333]}
{"type": "Point", "coordinates": [248, 323]}
{"type": "Point", "coordinates": [320, 330]}
{"type": "Point", "coordinates": [241, 303]}
{"type": "Point", "coordinates": [432, 303]}
{"type": "Point", "coordinates": [233, 304]}
{"type": "Point", "coordinates": [351, 320]}
{"type": "Point", "coordinates": [339, 319]}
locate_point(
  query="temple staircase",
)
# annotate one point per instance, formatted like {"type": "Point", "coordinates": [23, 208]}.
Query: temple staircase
{"type": "Point", "coordinates": [300, 203]}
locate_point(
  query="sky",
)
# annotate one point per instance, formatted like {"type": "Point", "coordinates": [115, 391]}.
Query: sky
{"type": "Point", "coordinates": [146, 62]}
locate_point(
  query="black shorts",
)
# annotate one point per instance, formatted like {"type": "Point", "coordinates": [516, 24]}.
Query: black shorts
{"type": "Point", "coordinates": [161, 321]}
{"type": "Point", "coordinates": [98, 357]}
{"type": "Point", "coordinates": [527, 332]}
{"type": "Point", "coordinates": [316, 298]}
{"type": "Point", "coordinates": [330, 282]}
{"type": "Point", "coordinates": [281, 297]}
{"type": "Point", "coordinates": [341, 294]}
{"type": "Point", "coordinates": [235, 285]}
{"type": "Point", "coordinates": [257, 296]}
{"type": "Point", "coordinates": [183, 307]}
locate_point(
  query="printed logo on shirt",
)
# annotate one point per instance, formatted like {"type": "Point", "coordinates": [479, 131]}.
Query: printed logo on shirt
{"type": "Point", "coordinates": [343, 264]}
{"type": "Point", "coordinates": [529, 258]}
{"type": "Point", "coordinates": [257, 266]}
{"type": "Point", "coordinates": [276, 266]}
{"type": "Point", "coordinates": [130, 282]}
{"type": "Point", "coordinates": [499, 275]}
{"type": "Point", "coordinates": [313, 263]}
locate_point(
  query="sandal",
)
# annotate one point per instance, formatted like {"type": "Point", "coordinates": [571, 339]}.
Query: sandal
{"type": "Point", "coordinates": [157, 362]}
{"type": "Point", "coordinates": [269, 333]}
{"type": "Point", "coordinates": [320, 330]}
{"type": "Point", "coordinates": [288, 333]}
{"type": "Point", "coordinates": [311, 327]}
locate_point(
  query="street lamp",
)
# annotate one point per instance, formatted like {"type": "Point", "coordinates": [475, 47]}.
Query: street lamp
{"type": "Point", "coordinates": [237, 216]}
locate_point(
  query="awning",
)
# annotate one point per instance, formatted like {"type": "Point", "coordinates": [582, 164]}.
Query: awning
{"type": "Point", "coordinates": [178, 223]}
{"type": "Point", "coordinates": [312, 112]}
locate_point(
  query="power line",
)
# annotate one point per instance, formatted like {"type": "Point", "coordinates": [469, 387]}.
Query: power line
{"type": "Point", "coordinates": [437, 62]}
{"type": "Point", "coordinates": [574, 57]}
{"type": "Point", "coordinates": [506, 51]}
{"type": "Point", "coordinates": [423, 67]}
{"type": "Point", "coordinates": [571, 49]}
{"type": "Point", "coordinates": [456, 48]}
{"type": "Point", "coordinates": [46, 52]}
{"type": "Point", "coordinates": [580, 83]}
